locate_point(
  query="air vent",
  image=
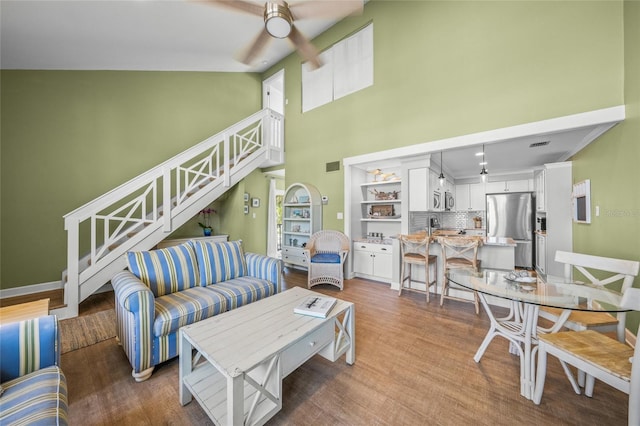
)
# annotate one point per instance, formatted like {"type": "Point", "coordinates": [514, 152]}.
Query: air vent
{"type": "Point", "coordinates": [539, 144]}
{"type": "Point", "coordinates": [333, 166]}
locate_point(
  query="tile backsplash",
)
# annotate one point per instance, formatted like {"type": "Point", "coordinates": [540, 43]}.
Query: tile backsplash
{"type": "Point", "coordinates": [457, 220]}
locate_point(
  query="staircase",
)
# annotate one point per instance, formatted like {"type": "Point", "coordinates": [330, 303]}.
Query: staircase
{"type": "Point", "coordinates": [142, 212]}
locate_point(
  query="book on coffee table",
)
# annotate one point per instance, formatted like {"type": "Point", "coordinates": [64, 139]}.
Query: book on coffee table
{"type": "Point", "coordinates": [316, 306]}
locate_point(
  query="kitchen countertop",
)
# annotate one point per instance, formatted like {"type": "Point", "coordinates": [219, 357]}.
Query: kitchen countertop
{"type": "Point", "coordinates": [383, 241]}
{"type": "Point", "coordinates": [487, 241]}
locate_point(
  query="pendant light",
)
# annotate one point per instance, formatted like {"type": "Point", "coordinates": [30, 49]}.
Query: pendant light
{"type": "Point", "coordinates": [483, 172]}
{"type": "Point", "coordinates": [441, 177]}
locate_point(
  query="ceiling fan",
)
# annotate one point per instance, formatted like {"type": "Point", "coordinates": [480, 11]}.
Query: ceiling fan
{"type": "Point", "coordinates": [279, 22]}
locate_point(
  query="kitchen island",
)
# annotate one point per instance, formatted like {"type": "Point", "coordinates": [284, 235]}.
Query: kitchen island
{"type": "Point", "coordinates": [495, 253]}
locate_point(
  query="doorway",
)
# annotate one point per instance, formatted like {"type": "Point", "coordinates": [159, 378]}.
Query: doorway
{"type": "Point", "coordinates": [273, 98]}
{"type": "Point", "coordinates": [273, 92]}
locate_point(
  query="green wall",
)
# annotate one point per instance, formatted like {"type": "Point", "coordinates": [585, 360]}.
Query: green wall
{"type": "Point", "coordinates": [441, 69]}
{"type": "Point", "coordinates": [68, 137]}
{"type": "Point", "coordinates": [452, 68]}
{"type": "Point", "coordinates": [611, 163]}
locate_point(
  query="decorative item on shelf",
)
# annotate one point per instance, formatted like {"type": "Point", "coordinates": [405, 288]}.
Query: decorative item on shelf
{"type": "Point", "coordinates": [303, 199]}
{"type": "Point", "coordinates": [379, 195]}
{"type": "Point", "coordinates": [375, 174]}
{"type": "Point", "coordinates": [382, 211]}
{"type": "Point", "coordinates": [477, 222]}
{"type": "Point", "coordinates": [388, 176]}
{"type": "Point", "coordinates": [206, 220]}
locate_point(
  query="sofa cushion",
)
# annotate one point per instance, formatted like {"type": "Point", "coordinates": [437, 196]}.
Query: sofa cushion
{"type": "Point", "coordinates": [186, 307]}
{"type": "Point", "coordinates": [167, 270]}
{"type": "Point", "coordinates": [326, 258]}
{"type": "Point", "coordinates": [244, 290]}
{"type": "Point", "coordinates": [38, 398]}
{"type": "Point", "coordinates": [219, 261]}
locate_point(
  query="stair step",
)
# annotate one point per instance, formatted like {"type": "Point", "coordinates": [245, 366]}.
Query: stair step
{"type": "Point", "coordinates": [56, 298]}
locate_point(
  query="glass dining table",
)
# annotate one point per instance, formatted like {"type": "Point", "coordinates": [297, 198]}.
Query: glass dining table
{"type": "Point", "coordinates": [525, 296]}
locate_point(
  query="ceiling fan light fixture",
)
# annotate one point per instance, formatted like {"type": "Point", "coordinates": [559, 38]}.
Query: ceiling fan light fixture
{"type": "Point", "coordinates": [278, 19]}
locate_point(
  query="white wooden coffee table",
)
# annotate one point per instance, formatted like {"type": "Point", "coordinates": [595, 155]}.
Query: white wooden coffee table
{"type": "Point", "coordinates": [243, 355]}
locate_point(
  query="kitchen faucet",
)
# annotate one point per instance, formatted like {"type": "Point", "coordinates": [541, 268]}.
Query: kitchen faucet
{"type": "Point", "coordinates": [432, 223]}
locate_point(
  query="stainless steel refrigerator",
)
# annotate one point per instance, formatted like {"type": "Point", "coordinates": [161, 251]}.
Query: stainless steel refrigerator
{"type": "Point", "coordinates": [511, 215]}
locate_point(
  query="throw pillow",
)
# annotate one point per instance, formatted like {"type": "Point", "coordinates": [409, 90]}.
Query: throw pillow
{"type": "Point", "coordinates": [220, 261]}
{"type": "Point", "coordinates": [167, 270]}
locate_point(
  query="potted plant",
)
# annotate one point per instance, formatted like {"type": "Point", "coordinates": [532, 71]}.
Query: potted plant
{"type": "Point", "coordinates": [206, 221]}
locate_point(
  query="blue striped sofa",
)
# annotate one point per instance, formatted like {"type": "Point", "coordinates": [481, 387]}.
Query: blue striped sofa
{"type": "Point", "coordinates": [166, 289]}
{"type": "Point", "coordinates": [32, 386]}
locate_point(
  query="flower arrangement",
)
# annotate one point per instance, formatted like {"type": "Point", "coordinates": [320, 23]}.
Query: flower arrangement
{"type": "Point", "coordinates": [206, 219]}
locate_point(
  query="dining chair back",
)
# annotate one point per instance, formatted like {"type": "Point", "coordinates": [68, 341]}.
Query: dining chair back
{"type": "Point", "coordinates": [414, 251]}
{"type": "Point", "coordinates": [326, 252]}
{"type": "Point", "coordinates": [599, 356]}
{"type": "Point", "coordinates": [610, 271]}
{"type": "Point", "coordinates": [459, 252]}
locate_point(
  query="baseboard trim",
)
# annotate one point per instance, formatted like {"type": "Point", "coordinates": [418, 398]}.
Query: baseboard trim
{"type": "Point", "coordinates": [30, 289]}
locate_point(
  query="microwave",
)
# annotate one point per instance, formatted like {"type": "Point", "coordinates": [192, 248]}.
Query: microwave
{"type": "Point", "coordinates": [449, 201]}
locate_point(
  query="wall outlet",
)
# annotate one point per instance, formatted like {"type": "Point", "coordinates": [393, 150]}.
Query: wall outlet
{"type": "Point", "coordinates": [340, 216]}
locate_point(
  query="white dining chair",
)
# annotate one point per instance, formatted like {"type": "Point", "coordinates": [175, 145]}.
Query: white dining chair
{"type": "Point", "coordinates": [611, 271]}
{"type": "Point", "coordinates": [599, 356]}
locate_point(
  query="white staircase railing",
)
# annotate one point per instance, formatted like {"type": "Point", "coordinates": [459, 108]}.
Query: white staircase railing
{"type": "Point", "coordinates": [142, 212]}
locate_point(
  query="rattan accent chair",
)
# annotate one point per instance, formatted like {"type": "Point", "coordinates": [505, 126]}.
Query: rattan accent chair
{"type": "Point", "coordinates": [326, 253]}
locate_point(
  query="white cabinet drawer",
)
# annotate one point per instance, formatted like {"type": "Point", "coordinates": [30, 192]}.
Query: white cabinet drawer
{"type": "Point", "coordinates": [372, 247]}
{"type": "Point", "coordinates": [298, 260]}
{"type": "Point", "coordinates": [293, 251]}
{"type": "Point", "coordinates": [295, 355]}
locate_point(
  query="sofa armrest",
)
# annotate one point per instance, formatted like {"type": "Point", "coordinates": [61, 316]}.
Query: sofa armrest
{"type": "Point", "coordinates": [266, 268]}
{"type": "Point", "coordinates": [135, 313]}
{"type": "Point", "coordinates": [27, 346]}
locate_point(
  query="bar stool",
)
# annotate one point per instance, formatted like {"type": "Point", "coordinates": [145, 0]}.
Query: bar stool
{"type": "Point", "coordinates": [459, 252]}
{"type": "Point", "coordinates": [414, 250]}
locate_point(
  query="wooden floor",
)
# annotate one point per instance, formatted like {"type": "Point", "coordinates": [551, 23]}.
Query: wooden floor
{"type": "Point", "coordinates": [414, 366]}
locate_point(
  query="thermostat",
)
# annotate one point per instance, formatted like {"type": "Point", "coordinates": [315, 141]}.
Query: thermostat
{"type": "Point", "coordinates": [325, 199]}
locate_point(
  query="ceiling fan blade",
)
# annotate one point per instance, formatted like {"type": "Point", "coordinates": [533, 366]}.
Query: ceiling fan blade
{"type": "Point", "coordinates": [249, 55]}
{"type": "Point", "coordinates": [244, 6]}
{"type": "Point", "coordinates": [306, 49]}
{"type": "Point", "coordinates": [326, 9]}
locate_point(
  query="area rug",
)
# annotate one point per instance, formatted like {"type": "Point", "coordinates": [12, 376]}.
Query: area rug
{"type": "Point", "coordinates": [77, 333]}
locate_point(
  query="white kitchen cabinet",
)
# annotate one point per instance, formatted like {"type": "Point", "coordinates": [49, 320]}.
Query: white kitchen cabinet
{"type": "Point", "coordinates": [373, 261]}
{"type": "Point", "coordinates": [470, 197]}
{"type": "Point", "coordinates": [520, 185]}
{"type": "Point", "coordinates": [477, 196]}
{"type": "Point", "coordinates": [419, 197]}
{"type": "Point", "coordinates": [539, 180]}
{"type": "Point", "coordinates": [462, 197]}
{"type": "Point", "coordinates": [541, 253]}
{"type": "Point", "coordinates": [557, 210]}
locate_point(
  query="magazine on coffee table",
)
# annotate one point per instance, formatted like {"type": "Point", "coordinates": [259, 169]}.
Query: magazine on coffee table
{"type": "Point", "coordinates": [316, 306]}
